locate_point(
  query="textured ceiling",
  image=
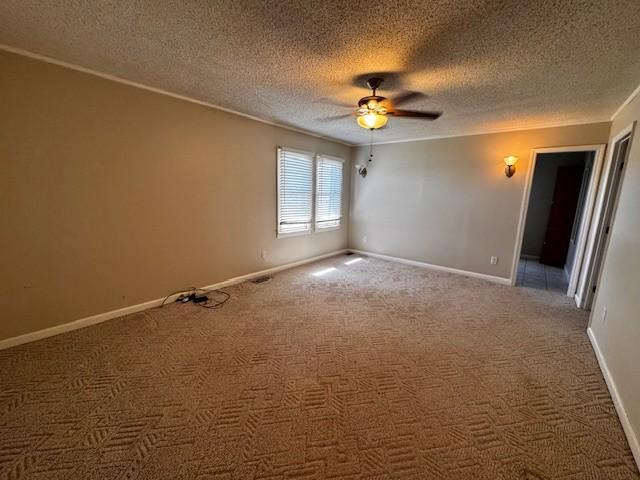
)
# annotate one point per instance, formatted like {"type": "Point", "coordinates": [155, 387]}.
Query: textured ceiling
{"type": "Point", "coordinates": [486, 64]}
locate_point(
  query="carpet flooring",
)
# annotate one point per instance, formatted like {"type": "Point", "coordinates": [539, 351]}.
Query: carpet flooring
{"type": "Point", "coordinates": [366, 370]}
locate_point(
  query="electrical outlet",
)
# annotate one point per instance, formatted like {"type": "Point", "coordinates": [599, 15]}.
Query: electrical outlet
{"type": "Point", "coordinates": [494, 260]}
{"type": "Point", "coordinates": [263, 255]}
{"type": "Point", "coordinates": [364, 239]}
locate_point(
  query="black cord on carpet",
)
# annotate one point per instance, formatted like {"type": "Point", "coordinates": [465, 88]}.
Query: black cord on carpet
{"type": "Point", "coordinates": [195, 291]}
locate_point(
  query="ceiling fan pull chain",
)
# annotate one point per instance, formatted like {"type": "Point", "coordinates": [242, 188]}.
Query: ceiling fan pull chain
{"type": "Point", "coordinates": [371, 145]}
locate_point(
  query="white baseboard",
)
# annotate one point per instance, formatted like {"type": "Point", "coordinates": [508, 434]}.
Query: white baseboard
{"type": "Point", "coordinates": [102, 317]}
{"type": "Point", "coordinates": [268, 271]}
{"type": "Point", "coordinates": [617, 401]}
{"type": "Point", "coordinates": [415, 263]}
{"type": "Point", "coordinates": [578, 299]}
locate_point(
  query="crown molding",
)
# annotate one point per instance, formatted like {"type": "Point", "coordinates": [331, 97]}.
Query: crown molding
{"type": "Point", "coordinates": [490, 131]}
{"type": "Point", "coordinates": [629, 99]}
{"type": "Point", "coordinates": [113, 78]}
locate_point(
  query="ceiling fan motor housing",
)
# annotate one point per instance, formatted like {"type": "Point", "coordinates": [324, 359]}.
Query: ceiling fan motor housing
{"type": "Point", "coordinates": [366, 100]}
{"type": "Point", "coordinates": [373, 110]}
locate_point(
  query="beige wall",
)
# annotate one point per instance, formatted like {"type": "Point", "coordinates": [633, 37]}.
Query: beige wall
{"type": "Point", "coordinates": [111, 195]}
{"type": "Point", "coordinates": [618, 335]}
{"type": "Point", "coordinates": [447, 201]}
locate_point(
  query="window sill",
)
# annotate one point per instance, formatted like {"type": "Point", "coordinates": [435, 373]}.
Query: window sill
{"type": "Point", "coordinates": [292, 234]}
{"type": "Point", "coordinates": [327, 229]}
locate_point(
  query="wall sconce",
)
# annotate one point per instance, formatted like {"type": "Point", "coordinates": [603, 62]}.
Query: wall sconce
{"type": "Point", "coordinates": [510, 165]}
{"type": "Point", "coordinates": [362, 171]}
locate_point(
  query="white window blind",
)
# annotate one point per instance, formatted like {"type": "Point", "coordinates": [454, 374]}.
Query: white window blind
{"type": "Point", "coordinates": [328, 193]}
{"type": "Point", "coordinates": [295, 192]}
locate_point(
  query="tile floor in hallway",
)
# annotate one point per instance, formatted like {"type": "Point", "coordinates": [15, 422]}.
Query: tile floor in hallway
{"type": "Point", "coordinates": [533, 274]}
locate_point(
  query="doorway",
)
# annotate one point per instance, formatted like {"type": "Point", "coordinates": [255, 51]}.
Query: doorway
{"type": "Point", "coordinates": [604, 217]}
{"type": "Point", "coordinates": [556, 214]}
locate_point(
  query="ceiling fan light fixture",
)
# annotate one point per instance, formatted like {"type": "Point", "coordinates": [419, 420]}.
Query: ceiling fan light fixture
{"type": "Point", "coordinates": [372, 120]}
{"type": "Point", "coordinates": [373, 110]}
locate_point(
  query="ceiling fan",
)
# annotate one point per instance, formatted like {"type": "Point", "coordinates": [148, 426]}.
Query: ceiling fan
{"type": "Point", "coordinates": [373, 111]}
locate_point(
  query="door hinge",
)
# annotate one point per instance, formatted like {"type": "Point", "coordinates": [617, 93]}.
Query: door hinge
{"type": "Point", "coordinates": [606, 230]}
{"type": "Point", "coordinates": [593, 289]}
{"type": "Point", "coordinates": [621, 166]}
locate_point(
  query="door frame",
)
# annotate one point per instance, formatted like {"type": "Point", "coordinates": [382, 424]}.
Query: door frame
{"type": "Point", "coordinates": [583, 297]}
{"type": "Point", "coordinates": [587, 214]}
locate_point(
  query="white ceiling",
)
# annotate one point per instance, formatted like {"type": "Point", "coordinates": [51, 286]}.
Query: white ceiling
{"type": "Point", "coordinates": [488, 65]}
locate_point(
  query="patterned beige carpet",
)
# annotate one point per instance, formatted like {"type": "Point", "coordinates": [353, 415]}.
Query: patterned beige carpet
{"type": "Point", "coordinates": [373, 370]}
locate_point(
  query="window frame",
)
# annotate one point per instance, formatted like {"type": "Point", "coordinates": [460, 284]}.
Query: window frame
{"type": "Point", "coordinates": [315, 195]}
{"type": "Point", "coordinates": [280, 234]}
{"type": "Point", "coordinates": [315, 157]}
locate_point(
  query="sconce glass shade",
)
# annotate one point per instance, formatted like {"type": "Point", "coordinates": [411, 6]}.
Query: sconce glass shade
{"type": "Point", "coordinates": [511, 160]}
{"type": "Point", "coordinates": [372, 120]}
{"type": "Point", "coordinates": [510, 165]}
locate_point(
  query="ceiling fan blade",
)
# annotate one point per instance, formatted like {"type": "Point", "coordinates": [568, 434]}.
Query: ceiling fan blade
{"type": "Point", "coordinates": [388, 104]}
{"type": "Point", "coordinates": [335, 117]}
{"type": "Point", "coordinates": [407, 96]}
{"type": "Point", "coordinates": [415, 114]}
{"type": "Point", "coordinates": [331, 101]}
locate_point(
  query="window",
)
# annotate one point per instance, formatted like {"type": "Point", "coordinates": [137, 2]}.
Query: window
{"type": "Point", "coordinates": [328, 193]}
{"type": "Point", "coordinates": [295, 192]}
{"type": "Point", "coordinates": [298, 208]}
